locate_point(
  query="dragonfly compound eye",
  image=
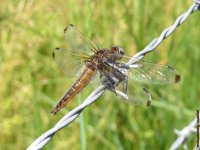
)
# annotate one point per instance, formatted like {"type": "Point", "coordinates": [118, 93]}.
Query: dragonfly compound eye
{"type": "Point", "coordinates": [117, 49]}
{"type": "Point", "coordinates": [121, 50]}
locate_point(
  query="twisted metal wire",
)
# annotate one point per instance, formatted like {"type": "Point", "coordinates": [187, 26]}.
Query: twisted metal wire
{"type": "Point", "coordinates": [41, 141]}
{"type": "Point", "coordinates": [197, 2]}
{"type": "Point", "coordinates": [183, 135]}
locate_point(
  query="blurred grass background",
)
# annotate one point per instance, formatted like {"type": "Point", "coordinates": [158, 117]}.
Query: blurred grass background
{"type": "Point", "coordinates": [31, 84]}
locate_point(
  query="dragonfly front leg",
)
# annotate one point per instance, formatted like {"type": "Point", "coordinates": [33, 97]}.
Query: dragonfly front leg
{"type": "Point", "coordinates": [122, 65]}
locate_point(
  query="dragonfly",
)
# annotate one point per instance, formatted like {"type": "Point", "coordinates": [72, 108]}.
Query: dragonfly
{"type": "Point", "coordinates": [83, 58]}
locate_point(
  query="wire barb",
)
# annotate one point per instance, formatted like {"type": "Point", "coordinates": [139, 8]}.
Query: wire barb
{"type": "Point", "coordinates": [183, 135]}
{"type": "Point", "coordinates": [197, 2]}
{"type": "Point", "coordinates": [41, 141]}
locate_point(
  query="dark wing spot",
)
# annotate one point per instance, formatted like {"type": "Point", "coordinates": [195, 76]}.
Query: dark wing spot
{"type": "Point", "coordinates": [70, 25]}
{"type": "Point", "coordinates": [171, 68]}
{"type": "Point", "coordinates": [177, 78]}
{"type": "Point", "coordinates": [145, 90]}
{"type": "Point", "coordinates": [148, 103]}
{"type": "Point", "coordinates": [149, 100]}
{"type": "Point", "coordinates": [53, 54]}
{"type": "Point", "coordinates": [65, 30]}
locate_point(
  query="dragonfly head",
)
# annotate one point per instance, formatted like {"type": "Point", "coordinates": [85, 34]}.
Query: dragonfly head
{"type": "Point", "coordinates": [118, 52]}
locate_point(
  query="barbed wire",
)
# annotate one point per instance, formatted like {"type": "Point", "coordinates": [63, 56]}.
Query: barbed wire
{"type": "Point", "coordinates": [183, 135]}
{"type": "Point", "coordinates": [41, 141]}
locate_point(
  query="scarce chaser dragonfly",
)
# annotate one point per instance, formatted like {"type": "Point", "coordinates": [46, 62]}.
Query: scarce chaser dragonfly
{"type": "Point", "coordinates": [84, 57]}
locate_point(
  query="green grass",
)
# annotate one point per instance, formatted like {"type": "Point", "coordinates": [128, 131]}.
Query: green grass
{"type": "Point", "coordinates": [31, 83]}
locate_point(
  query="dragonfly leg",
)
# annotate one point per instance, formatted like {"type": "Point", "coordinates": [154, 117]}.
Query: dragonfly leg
{"type": "Point", "coordinates": [125, 85]}
{"type": "Point", "coordinates": [112, 89]}
{"type": "Point", "coordinates": [108, 80]}
{"type": "Point", "coordinates": [122, 65]}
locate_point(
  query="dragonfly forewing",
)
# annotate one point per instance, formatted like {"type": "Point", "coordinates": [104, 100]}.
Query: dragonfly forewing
{"type": "Point", "coordinates": [78, 49]}
{"type": "Point", "coordinates": [77, 42]}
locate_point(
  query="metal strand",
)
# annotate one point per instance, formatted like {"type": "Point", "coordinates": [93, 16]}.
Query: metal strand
{"type": "Point", "coordinates": [41, 141]}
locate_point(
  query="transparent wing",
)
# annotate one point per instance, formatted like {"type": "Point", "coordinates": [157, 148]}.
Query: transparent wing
{"type": "Point", "coordinates": [151, 73]}
{"type": "Point", "coordinates": [95, 82]}
{"type": "Point", "coordinates": [69, 63]}
{"type": "Point", "coordinates": [154, 73]}
{"type": "Point", "coordinates": [146, 73]}
{"type": "Point", "coordinates": [77, 42]}
{"type": "Point", "coordinates": [78, 48]}
{"type": "Point", "coordinates": [136, 93]}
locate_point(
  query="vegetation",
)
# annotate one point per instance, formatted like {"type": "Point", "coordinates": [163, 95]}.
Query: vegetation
{"type": "Point", "coordinates": [31, 83]}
